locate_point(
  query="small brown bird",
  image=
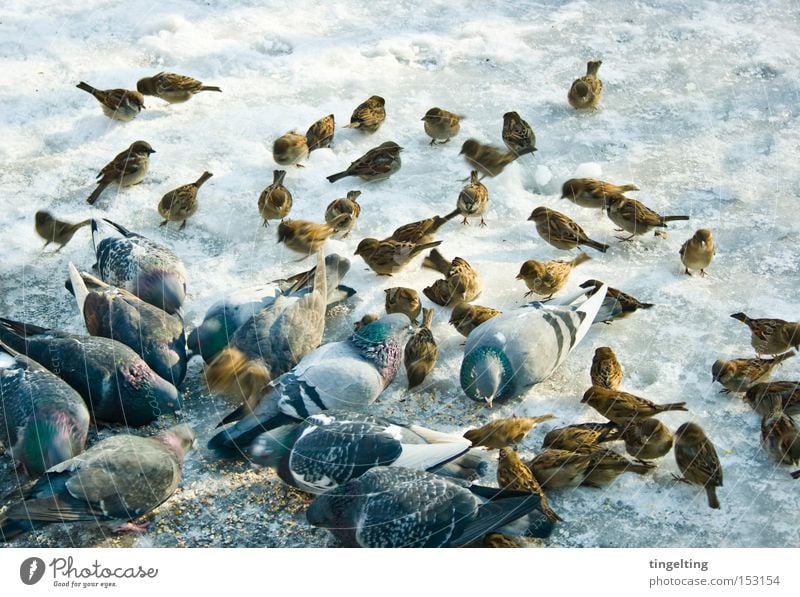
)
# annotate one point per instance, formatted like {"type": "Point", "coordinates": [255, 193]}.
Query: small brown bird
{"type": "Point", "coordinates": [421, 231]}
{"type": "Point", "coordinates": [698, 251]}
{"type": "Point", "coordinates": [647, 439]}
{"type": "Point", "coordinates": [575, 438]}
{"type": "Point", "coordinates": [117, 104]}
{"type": "Point", "coordinates": [441, 125]}
{"type": "Point", "coordinates": [606, 371]}
{"type": "Point", "coordinates": [739, 375]}
{"type": "Point", "coordinates": [635, 217]}
{"type": "Point", "coordinates": [172, 87]}
{"type": "Point", "coordinates": [56, 231]}
{"type": "Point", "coordinates": [387, 257]}
{"type": "Point", "coordinates": [403, 300]}
{"type": "Point", "coordinates": [126, 169]}
{"type": "Point", "coordinates": [320, 134]}
{"type": "Point", "coordinates": [560, 469]}
{"type": "Point", "coordinates": [369, 115]}
{"type": "Point", "coordinates": [561, 231]}
{"type": "Point", "coordinates": [289, 149]}
{"type": "Point", "coordinates": [545, 278]}
{"type": "Point", "coordinates": [466, 317]}
{"type": "Point", "coordinates": [365, 320]}
{"type": "Point", "coordinates": [766, 397]}
{"type": "Point", "coordinates": [181, 204]}
{"type": "Point", "coordinates": [307, 237]}
{"type": "Point", "coordinates": [780, 437]}
{"type": "Point", "coordinates": [626, 304]}
{"type": "Point", "coordinates": [518, 134]}
{"type": "Point", "coordinates": [487, 159]}
{"type": "Point", "coordinates": [378, 163]}
{"type": "Point", "coordinates": [275, 202]}
{"type": "Point", "coordinates": [621, 407]}
{"type": "Point", "coordinates": [461, 284]}
{"type": "Point", "coordinates": [504, 432]}
{"type": "Point", "coordinates": [513, 475]}
{"type": "Point", "coordinates": [606, 465]}
{"type": "Point", "coordinates": [586, 91]}
{"type": "Point", "coordinates": [771, 336]}
{"type": "Point", "coordinates": [420, 352]}
{"type": "Point", "coordinates": [348, 205]}
{"type": "Point", "coordinates": [592, 193]}
{"type": "Point", "coordinates": [698, 460]}
{"type": "Point", "coordinates": [473, 200]}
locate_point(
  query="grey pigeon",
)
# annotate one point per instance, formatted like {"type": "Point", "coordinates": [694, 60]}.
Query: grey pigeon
{"type": "Point", "coordinates": [152, 333]}
{"type": "Point", "coordinates": [147, 269]}
{"type": "Point", "coordinates": [226, 316]}
{"type": "Point", "coordinates": [347, 375]}
{"type": "Point", "coordinates": [42, 419]}
{"type": "Point", "coordinates": [116, 384]}
{"type": "Point", "coordinates": [116, 481]}
{"type": "Point", "coordinates": [397, 507]}
{"type": "Point", "coordinates": [330, 448]}
{"type": "Point", "coordinates": [511, 352]}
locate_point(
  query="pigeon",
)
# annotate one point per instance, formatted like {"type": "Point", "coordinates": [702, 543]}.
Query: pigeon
{"type": "Point", "coordinates": [150, 271]}
{"type": "Point", "coordinates": [115, 382]}
{"type": "Point", "coordinates": [398, 507]}
{"type": "Point", "coordinates": [116, 481]}
{"type": "Point", "coordinates": [331, 448]}
{"type": "Point", "coordinates": [509, 353]}
{"type": "Point", "coordinates": [115, 313]}
{"type": "Point", "coordinates": [339, 375]}
{"type": "Point", "coordinates": [227, 315]}
{"type": "Point", "coordinates": [43, 419]}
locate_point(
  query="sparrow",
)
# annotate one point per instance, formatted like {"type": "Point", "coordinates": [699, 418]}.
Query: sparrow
{"type": "Point", "coordinates": [635, 217]}
{"type": "Point", "coordinates": [780, 437]}
{"type": "Point", "coordinates": [289, 149]}
{"type": "Point", "coordinates": [403, 300]}
{"type": "Point", "coordinates": [621, 407]}
{"type": "Point", "coordinates": [771, 336]}
{"type": "Point", "coordinates": [307, 237]}
{"type": "Point", "coordinates": [698, 251]}
{"type": "Point", "coordinates": [421, 231]}
{"type": "Point", "coordinates": [698, 460]}
{"type": "Point", "coordinates": [562, 232]}
{"type": "Point", "coordinates": [365, 320]}
{"type": "Point", "coordinates": [441, 125]}
{"type": "Point", "coordinates": [172, 87]}
{"type": "Point", "coordinates": [766, 397]}
{"type": "Point", "coordinates": [625, 302]}
{"type": "Point", "coordinates": [586, 91]}
{"type": "Point", "coordinates": [592, 193]}
{"type": "Point", "coordinates": [126, 169]}
{"type": "Point", "coordinates": [545, 278]}
{"type": "Point", "coordinates": [504, 432]}
{"type": "Point", "coordinates": [574, 438]}
{"type": "Point", "coordinates": [387, 257]}
{"type": "Point", "coordinates": [487, 159]}
{"type": "Point", "coordinates": [739, 375]}
{"type": "Point", "coordinates": [56, 231]}
{"type": "Point", "coordinates": [606, 372]}
{"type": "Point", "coordinates": [378, 163]}
{"type": "Point", "coordinates": [518, 134]}
{"type": "Point", "coordinates": [473, 200]}
{"type": "Point", "coordinates": [593, 466]}
{"type": "Point", "coordinates": [647, 439]}
{"type": "Point", "coordinates": [369, 115]}
{"type": "Point", "coordinates": [320, 134]}
{"type": "Point", "coordinates": [606, 465]}
{"type": "Point", "coordinates": [180, 204]}
{"type": "Point", "coordinates": [513, 475]}
{"type": "Point", "coordinates": [118, 104]}
{"type": "Point", "coordinates": [349, 206]}
{"type": "Point", "coordinates": [461, 284]}
{"type": "Point", "coordinates": [275, 202]}
{"type": "Point", "coordinates": [421, 351]}
{"type": "Point", "coordinates": [466, 317]}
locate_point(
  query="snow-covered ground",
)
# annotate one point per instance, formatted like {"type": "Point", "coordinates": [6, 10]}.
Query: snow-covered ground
{"type": "Point", "coordinates": [700, 109]}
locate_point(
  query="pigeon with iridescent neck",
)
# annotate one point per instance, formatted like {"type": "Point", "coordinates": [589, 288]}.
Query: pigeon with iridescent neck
{"type": "Point", "coordinates": [515, 350]}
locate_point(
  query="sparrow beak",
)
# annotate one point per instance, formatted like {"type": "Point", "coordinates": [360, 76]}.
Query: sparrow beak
{"type": "Point", "coordinates": [152, 151]}
{"type": "Point", "coordinates": [519, 277]}
{"type": "Point", "coordinates": [423, 118]}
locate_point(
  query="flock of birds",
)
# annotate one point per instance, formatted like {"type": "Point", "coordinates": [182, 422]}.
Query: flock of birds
{"type": "Point", "coordinates": [304, 409]}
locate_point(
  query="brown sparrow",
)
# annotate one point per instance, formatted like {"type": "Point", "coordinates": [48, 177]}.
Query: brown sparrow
{"type": "Point", "coordinates": [126, 169]}
{"type": "Point", "coordinates": [698, 251]}
{"type": "Point", "coordinates": [513, 475]}
{"type": "Point", "coordinates": [560, 469]}
{"type": "Point", "coordinates": [378, 163]}
{"type": "Point", "coordinates": [766, 397]}
{"type": "Point", "coordinates": [771, 336]}
{"type": "Point", "coordinates": [420, 352]}
{"type": "Point", "coordinates": [403, 300]}
{"type": "Point", "coordinates": [172, 87]}
{"type": "Point", "coordinates": [275, 202]}
{"type": "Point", "coordinates": [289, 149]}
{"type": "Point", "coordinates": [739, 375]}
{"type": "Point", "coordinates": [626, 303]}
{"type": "Point", "coordinates": [592, 193]}
{"type": "Point", "coordinates": [561, 231]}
{"type": "Point", "coordinates": [422, 231]}
{"type": "Point", "coordinates": [387, 257]}
{"type": "Point", "coordinates": [647, 439]}
{"type": "Point", "coordinates": [441, 125]}
{"type": "Point", "coordinates": [586, 91]}
{"type": "Point", "coordinates": [118, 104]}
{"type": "Point", "coordinates": [635, 217]}
{"type": "Point", "coordinates": [504, 432]}
{"type": "Point", "coordinates": [56, 231]}
{"type": "Point", "coordinates": [180, 204]}
{"type": "Point", "coordinates": [466, 317]}
{"type": "Point", "coordinates": [780, 437]}
{"type": "Point", "coordinates": [545, 278]}
{"type": "Point", "coordinates": [348, 205]}
{"type": "Point", "coordinates": [621, 407]}
{"type": "Point", "coordinates": [473, 200]}
{"type": "Point", "coordinates": [606, 465]}
{"type": "Point", "coordinates": [487, 159]}
{"type": "Point", "coordinates": [698, 460]}
{"type": "Point", "coordinates": [320, 134]}
{"type": "Point", "coordinates": [518, 134]}
{"type": "Point", "coordinates": [369, 115]}
{"type": "Point", "coordinates": [606, 372]}
{"type": "Point", "coordinates": [307, 237]}
{"type": "Point", "coordinates": [575, 437]}
{"type": "Point", "coordinates": [461, 284]}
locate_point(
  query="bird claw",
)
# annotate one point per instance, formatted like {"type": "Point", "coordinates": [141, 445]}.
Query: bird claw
{"type": "Point", "coordinates": [681, 479]}
{"type": "Point", "coordinates": [483, 223]}
{"type": "Point", "coordinates": [625, 240]}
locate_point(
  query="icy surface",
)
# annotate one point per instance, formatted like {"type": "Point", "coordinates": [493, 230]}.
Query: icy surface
{"type": "Point", "coordinates": [700, 110]}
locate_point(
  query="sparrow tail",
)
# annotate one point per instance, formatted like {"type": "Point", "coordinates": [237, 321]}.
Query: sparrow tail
{"type": "Point", "coordinates": [592, 67]}
{"type": "Point", "coordinates": [711, 492]}
{"type": "Point", "coordinates": [672, 406]}
{"type": "Point", "coordinates": [595, 245]}
{"type": "Point", "coordinates": [97, 192]}
{"type": "Point", "coordinates": [452, 214]}
{"type": "Point", "coordinates": [86, 87]}
{"type": "Point", "coordinates": [338, 176]}
{"type": "Point", "coordinates": [628, 187]}
{"type": "Point", "coordinates": [205, 176]}
{"type": "Point", "coordinates": [674, 218]}
{"type": "Point", "coordinates": [436, 261]}
{"type": "Point", "coordinates": [210, 88]}
{"type": "Point", "coordinates": [581, 258]}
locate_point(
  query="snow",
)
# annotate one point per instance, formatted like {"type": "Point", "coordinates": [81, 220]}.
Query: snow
{"type": "Point", "coordinates": [700, 110]}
